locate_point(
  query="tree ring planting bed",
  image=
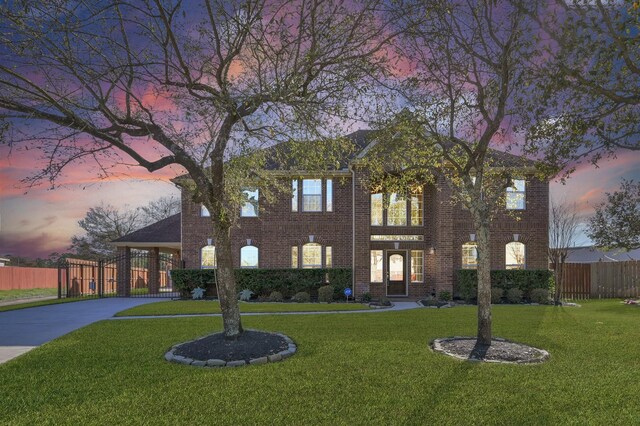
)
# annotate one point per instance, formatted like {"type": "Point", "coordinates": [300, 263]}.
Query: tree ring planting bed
{"type": "Point", "coordinates": [501, 350]}
{"type": "Point", "coordinates": [253, 347]}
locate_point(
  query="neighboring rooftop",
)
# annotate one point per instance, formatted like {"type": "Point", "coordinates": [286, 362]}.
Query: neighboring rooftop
{"type": "Point", "coordinates": [165, 233]}
{"type": "Point", "coordinates": [593, 255]}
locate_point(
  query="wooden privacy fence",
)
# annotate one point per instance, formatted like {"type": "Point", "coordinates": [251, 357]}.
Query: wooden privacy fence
{"type": "Point", "coordinates": [602, 280]}
{"type": "Point", "coordinates": [19, 278]}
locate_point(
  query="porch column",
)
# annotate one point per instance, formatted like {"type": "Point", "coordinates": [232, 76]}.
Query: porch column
{"type": "Point", "coordinates": [154, 271]}
{"type": "Point", "coordinates": [123, 272]}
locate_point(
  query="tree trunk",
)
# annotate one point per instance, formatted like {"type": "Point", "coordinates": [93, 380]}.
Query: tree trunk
{"type": "Point", "coordinates": [227, 292]}
{"type": "Point", "coordinates": [484, 283]}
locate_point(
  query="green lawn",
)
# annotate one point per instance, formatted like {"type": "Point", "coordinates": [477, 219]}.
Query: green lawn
{"type": "Point", "coordinates": [191, 307]}
{"type": "Point", "coordinates": [38, 303]}
{"type": "Point", "coordinates": [6, 295]}
{"type": "Point", "coordinates": [365, 369]}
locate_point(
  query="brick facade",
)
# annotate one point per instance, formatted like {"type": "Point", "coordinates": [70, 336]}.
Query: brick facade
{"type": "Point", "coordinates": [445, 228]}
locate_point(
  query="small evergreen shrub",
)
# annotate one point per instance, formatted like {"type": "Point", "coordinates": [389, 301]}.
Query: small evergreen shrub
{"type": "Point", "coordinates": [539, 295]}
{"type": "Point", "coordinates": [276, 296]}
{"type": "Point", "coordinates": [301, 297]}
{"type": "Point", "coordinates": [496, 295]}
{"type": "Point", "coordinates": [325, 294]}
{"type": "Point", "coordinates": [245, 295]}
{"type": "Point", "coordinates": [445, 296]}
{"type": "Point", "coordinates": [366, 297]}
{"type": "Point", "coordinates": [514, 295]}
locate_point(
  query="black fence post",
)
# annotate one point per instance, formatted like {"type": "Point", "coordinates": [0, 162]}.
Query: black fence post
{"type": "Point", "coordinates": [100, 278]}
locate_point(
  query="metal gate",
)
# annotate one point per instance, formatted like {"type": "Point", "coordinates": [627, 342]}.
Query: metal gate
{"type": "Point", "coordinates": [138, 274]}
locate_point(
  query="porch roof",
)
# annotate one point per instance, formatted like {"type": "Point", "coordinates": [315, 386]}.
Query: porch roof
{"type": "Point", "coordinates": [164, 233]}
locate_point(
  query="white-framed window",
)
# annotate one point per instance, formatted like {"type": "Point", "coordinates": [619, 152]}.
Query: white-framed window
{"type": "Point", "coordinates": [469, 255]}
{"type": "Point", "coordinates": [311, 256]}
{"type": "Point", "coordinates": [208, 257]}
{"type": "Point", "coordinates": [249, 257]}
{"type": "Point", "coordinates": [397, 211]}
{"type": "Point", "coordinates": [294, 257]}
{"type": "Point", "coordinates": [516, 195]}
{"type": "Point", "coordinates": [376, 266]}
{"type": "Point", "coordinates": [328, 257]}
{"type": "Point", "coordinates": [294, 195]}
{"type": "Point", "coordinates": [515, 255]}
{"type": "Point", "coordinates": [329, 201]}
{"type": "Point", "coordinates": [204, 212]}
{"type": "Point", "coordinates": [311, 195]}
{"type": "Point", "coordinates": [376, 210]}
{"type": "Point", "coordinates": [417, 266]}
{"type": "Point", "coordinates": [416, 209]}
{"type": "Point", "coordinates": [250, 206]}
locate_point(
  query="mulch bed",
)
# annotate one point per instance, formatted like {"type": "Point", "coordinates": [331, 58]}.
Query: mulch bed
{"type": "Point", "coordinates": [251, 345]}
{"type": "Point", "coordinates": [501, 350]}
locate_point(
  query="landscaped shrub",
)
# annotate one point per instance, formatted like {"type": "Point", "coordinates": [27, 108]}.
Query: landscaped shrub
{"type": "Point", "coordinates": [245, 295]}
{"type": "Point", "coordinates": [301, 297]}
{"type": "Point", "coordinates": [523, 279]}
{"type": "Point", "coordinates": [325, 294]}
{"type": "Point", "coordinates": [445, 296]}
{"type": "Point", "coordinates": [265, 281]}
{"type": "Point", "coordinates": [539, 295]}
{"type": "Point", "coordinates": [276, 296]}
{"type": "Point", "coordinates": [383, 301]}
{"type": "Point", "coordinates": [514, 295]}
{"type": "Point", "coordinates": [496, 295]}
{"type": "Point", "coordinates": [366, 297]}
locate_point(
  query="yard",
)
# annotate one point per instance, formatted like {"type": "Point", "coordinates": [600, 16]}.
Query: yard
{"type": "Point", "coordinates": [373, 368]}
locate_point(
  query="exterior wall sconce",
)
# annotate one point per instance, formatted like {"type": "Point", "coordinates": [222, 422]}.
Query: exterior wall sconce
{"type": "Point", "coordinates": [249, 241]}
{"type": "Point", "coordinates": [396, 245]}
{"type": "Point", "coordinates": [516, 237]}
{"type": "Point", "coordinates": [472, 237]}
{"type": "Point", "coordinates": [209, 241]}
{"type": "Point", "coordinates": [311, 238]}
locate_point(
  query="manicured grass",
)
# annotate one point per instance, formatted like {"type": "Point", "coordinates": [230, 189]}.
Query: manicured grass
{"type": "Point", "coordinates": [372, 368]}
{"type": "Point", "coordinates": [38, 303]}
{"type": "Point", "coordinates": [6, 295]}
{"type": "Point", "coordinates": [190, 307]}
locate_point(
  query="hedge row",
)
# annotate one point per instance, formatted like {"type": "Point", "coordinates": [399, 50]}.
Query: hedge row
{"type": "Point", "coordinates": [522, 279]}
{"type": "Point", "coordinates": [264, 281]}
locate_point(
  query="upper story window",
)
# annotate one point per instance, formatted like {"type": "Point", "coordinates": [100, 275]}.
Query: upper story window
{"type": "Point", "coordinates": [399, 209]}
{"type": "Point", "coordinates": [250, 206]}
{"type": "Point", "coordinates": [311, 195]}
{"type": "Point", "coordinates": [329, 201]}
{"type": "Point", "coordinates": [312, 199]}
{"type": "Point", "coordinates": [469, 256]}
{"type": "Point", "coordinates": [208, 257]}
{"type": "Point", "coordinates": [249, 257]}
{"type": "Point", "coordinates": [204, 212]}
{"type": "Point", "coordinates": [516, 195]}
{"type": "Point", "coordinates": [294, 196]}
{"type": "Point", "coordinates": [515, 255]}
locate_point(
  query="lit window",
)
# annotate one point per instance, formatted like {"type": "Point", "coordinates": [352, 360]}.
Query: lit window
{"type": "Point", "coordinates": [417, 266]}
{"type": "Point", "coordinates": [311, 256]}
{"type": "Point", "coordinates": [376, 209]}
{"type": "Point", "coordinates": [312, 195]}
{"type": "Point", "coordinates": [250, 206]}
{"type": "Point", "coordinates": [294, 196]}
{"type": "Point", "coordinates": [397, 211]}
{"type": "Point", "coordinates": [204, 212]}
{"type": "Point", "coordinates": [376, 266]}
{"type": "Point", "coordinates": [208, 257]}
{"type": "Point", "coordinates": [516, 195]}
{"type": "Point", "coordinates": [294, 257]}
{"type": "Point", "coordinates": [329, 195]}
{"type": "Point", "coordinates": [514, 255]}
{"type": "Point", "coordinates": [328, 257]}
{"type": "Point", "coordinates": [249, 257]}
{"type": "Point", "coordinates": [416, 210]}
{"type": "Point", "coordinates": [469, 256]}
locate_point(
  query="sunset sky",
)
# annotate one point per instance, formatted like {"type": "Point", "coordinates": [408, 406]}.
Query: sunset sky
{"type": "Point", "coordinates": [39, 221]}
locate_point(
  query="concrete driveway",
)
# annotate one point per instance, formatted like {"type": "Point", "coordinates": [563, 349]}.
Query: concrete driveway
{"type": "Point", "coordinates": [24, 329]}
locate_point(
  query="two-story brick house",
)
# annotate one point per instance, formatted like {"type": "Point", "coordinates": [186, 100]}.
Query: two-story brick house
{"type": "Point", "coordinates": [401, 247]}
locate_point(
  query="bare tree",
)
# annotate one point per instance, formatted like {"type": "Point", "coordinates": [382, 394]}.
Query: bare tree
{"type": "Point", "coordinates": [159, 209]}
{"type": "Point", "coordinates": [160, 83]}
{"type": "Point", "coordinates": [563, 232]}
{"type": "Point", "coordinates": [463, 96]}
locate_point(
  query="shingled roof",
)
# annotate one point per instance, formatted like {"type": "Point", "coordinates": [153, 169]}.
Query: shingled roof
{"type": "Point", "coordinates": [164, 232]}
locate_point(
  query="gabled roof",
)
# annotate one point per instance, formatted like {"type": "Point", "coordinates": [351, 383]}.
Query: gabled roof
{"type": "Point", "coordinates": [165, 231]}
{"type": "Point", "coordinates": [593, 255]}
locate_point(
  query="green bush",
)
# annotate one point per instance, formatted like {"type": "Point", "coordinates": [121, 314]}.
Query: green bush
{"type": "Point", "coordinates": [445, 296]}
{"type": "Point", "coordinates": [263, 282]}
{"type": "Point", "coordinates": [276, 296]}
{"type": "Point", "coordinates": [366, 297]}
{"type": "Point", "coordinates": [301, 297]}
{"type": "Point", "coordinates": [522, 279]}
{"type": "Point", "coordinates": [496, 295]}
{"type": "Point", "coordinates": [514, 295]}
{"type": "Point", "coordinates": [539, 295]}
{"type": "Point", "coordinates": [325, 294]}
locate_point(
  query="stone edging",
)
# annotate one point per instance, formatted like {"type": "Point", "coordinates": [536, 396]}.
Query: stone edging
{"type": "Point", "coordinates": [280, 356]}
{"type": "Point", "coordinates": [435, 345]}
